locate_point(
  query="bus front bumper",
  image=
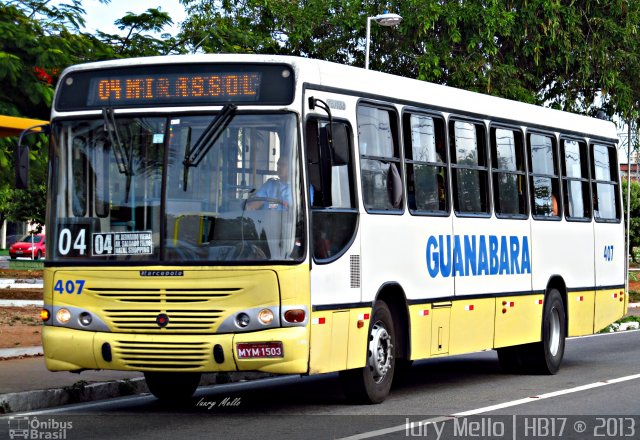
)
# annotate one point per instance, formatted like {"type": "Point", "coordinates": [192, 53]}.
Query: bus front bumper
{"type": "Point", "coordinates": [72, 350]}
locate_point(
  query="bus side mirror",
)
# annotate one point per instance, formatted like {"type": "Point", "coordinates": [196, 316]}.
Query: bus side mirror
{"type": "Point", "coordinates": [22, 155]}
{"type": "Point", "coordinates": [340, 135]}
{"type": "Point", "coordinates": [22, 167]}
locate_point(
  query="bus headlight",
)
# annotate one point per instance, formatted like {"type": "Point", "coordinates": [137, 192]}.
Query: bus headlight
{"type": "Point", "coordinates": [63, 316]}
{"type": "Point", "coordinates": [265, 316]}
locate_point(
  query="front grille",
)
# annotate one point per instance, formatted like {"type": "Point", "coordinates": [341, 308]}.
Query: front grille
{"type": "Point", "coordinates": [162, 355]}
{"type": "Point", "coordinates": [144, 320]}
{"type": "Point", "coordinates": [161, 295]}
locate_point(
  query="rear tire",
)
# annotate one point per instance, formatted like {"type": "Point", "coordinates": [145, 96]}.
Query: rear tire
{"type": "Point", "coordinates": [371, 384]}
{"type": "Point", "coordinates": [544, 357]}
{"type": "Point", "coordinates": [38, 255]}
{"type": "Point", "coordinates": [172, 387]}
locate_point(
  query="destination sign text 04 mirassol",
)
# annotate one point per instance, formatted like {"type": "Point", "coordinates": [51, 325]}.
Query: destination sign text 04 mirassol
{"type": "Point", "coordinates": [176, 88]}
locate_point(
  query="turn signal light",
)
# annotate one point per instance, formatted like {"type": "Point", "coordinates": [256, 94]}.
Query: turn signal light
{"type": "Point", "coordinates": [45, 315]}
{"type": "Point", "coordinates": [294, 315]}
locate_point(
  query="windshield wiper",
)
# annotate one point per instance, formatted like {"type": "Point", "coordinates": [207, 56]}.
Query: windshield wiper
{"type": "Point", "coordinates": [122, 158]}
{"type": "Point", "coordinates": [193, 156]}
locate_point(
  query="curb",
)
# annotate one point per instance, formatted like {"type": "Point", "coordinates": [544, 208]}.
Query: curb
{"type": "Point", "coordinates": [20, 302]}
{"type": "Point", "coordinates": [82, 392]}
{"type": "Point", "coordinates": [9, 353]}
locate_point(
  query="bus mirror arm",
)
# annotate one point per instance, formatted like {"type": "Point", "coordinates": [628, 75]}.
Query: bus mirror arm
{"type": "Point", "coordinates": [22, 155]}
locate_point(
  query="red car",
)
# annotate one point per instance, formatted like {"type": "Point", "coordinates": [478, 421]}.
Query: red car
{"type": "Point", "coordinates": [29, 246]}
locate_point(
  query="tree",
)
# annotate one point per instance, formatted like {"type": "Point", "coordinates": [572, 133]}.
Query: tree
{"type": "Point", "coordinates": [38, 39]}
{"type": "Point", "coordinates": [634, 210]}
{"type": "Point", "coordinates": [578, 56]}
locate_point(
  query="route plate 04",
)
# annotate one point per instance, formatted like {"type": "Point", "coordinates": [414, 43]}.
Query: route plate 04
{"type": "Point", "coordinates": [254, 350]}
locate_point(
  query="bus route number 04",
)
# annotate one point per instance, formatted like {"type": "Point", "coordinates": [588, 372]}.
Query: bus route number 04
{"type": "Point", "coordinates": [68, 244]}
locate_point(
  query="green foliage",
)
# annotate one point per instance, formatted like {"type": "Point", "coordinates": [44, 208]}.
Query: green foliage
{"type": "Point", "coordinates": [571, 55]}
{"type": "Point", "coordinates": [38, 40]}
{"type": "Point", "coordinates": [634, 210]}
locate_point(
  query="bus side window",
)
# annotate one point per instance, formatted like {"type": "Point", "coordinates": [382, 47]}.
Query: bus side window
{"type": "Point", "coordinates": [604, 174]}
{"type": "Point", "coordinates": [545, 186]}
{"type": "Point", "coordinates": [426, 164]}
{"type": "Point", "coordinates": [469, 167]}
{"type": "Point", "coordinates": [575, 180]}
{"type": "Point", "coordinates": [509, 178]}
{"type": "Point", "coordinates": [379, 159]}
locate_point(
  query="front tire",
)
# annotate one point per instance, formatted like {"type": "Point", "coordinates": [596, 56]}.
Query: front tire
{"type": "Point", "coordinates": [172, 387]}
{"type": "Point", "coordinates": [371, 384]}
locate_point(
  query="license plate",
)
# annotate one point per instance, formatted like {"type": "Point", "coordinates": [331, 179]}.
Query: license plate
{"type": "Point", "coordinates": [19, 252]}
{"type": "Point", "coordinates": [256, 350]}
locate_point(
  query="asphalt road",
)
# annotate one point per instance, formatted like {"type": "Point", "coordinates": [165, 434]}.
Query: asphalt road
{"type": "Point", "coordinates": [595, 395]}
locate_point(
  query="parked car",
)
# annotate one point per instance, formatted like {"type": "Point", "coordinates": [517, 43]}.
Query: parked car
{"type": "Point", "coordinates": [30, 246]}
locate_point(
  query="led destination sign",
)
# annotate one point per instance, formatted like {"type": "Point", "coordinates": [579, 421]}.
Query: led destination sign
{"type": "Point", "coordinates": [176, 85]}
{"type": "Point", "coordinates": [174, 88]}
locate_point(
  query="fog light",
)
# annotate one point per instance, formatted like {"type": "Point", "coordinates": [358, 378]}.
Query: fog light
{"type": "Point", "coordinates": [85, 318]}
{"type": "Point", "coordinates": [63, 316]}
{"type": "Point", "coordinates": [294, 315]}
{"type": "Point", "coordinates": [265, 316]}
{"type": "Point", "coordinates": [242, 320]}
{"type": "Point", "coordinates": [45, 315]}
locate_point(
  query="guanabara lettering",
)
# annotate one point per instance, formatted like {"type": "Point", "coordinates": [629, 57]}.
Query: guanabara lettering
{"type": "Point", "coordinates": [477, 255]}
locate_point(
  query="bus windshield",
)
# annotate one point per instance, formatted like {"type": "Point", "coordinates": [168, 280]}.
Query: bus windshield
{"type": "Point", "coordinates": [179, 188]}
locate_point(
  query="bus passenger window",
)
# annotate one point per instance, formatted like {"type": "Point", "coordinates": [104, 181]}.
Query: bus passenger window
{"type": "Point", "coordinates": [575, 180]}
{"type": "Point", "coordinates": [604, 168]}
{"type": "Point", "coordinates": [379, 159]}
{"type": "Point", "coordinates": [469, 167]}
{"type": "Point", "coordinates": [545, 187]}
{"type": "Point", "coordinates": [426, 164]}
{"type": "Point", "coordinates": [509, 188]}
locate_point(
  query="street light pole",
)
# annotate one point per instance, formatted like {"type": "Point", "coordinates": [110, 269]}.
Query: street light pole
{"type": "Point", "coordinates": [385, 19]}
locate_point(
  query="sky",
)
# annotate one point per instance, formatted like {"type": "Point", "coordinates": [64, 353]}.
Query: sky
{"type": "Point", "coordinates": [101, 17]}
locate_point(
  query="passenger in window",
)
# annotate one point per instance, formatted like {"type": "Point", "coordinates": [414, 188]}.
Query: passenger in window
{"type": "Point", "coordinates": [275, 193]}
{"type": "Point", "coordinates": [555, 211]}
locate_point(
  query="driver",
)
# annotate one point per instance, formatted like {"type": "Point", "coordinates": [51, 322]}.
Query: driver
{"type": "Point", "coordinates": [278, 190]}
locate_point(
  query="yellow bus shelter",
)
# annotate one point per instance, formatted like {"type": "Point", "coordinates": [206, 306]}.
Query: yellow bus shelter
{"type": "Point", "coordinates": [13, 126]}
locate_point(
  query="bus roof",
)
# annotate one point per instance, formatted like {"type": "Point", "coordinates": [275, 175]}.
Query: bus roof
{"type": "Point", "coordinates": [13, 126]}
{"type": "Point", "coordinates": [387, 87]}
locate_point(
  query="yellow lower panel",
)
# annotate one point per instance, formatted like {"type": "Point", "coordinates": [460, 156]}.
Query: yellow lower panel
{"type": "Point", "coordinates": [610, 306]}
{"type": "Point", "coordinates": [471, 325]}
{"type": "Point", "coordinates": [338, 340]}
{"type": "Point", "coordinates": [580, 306]}
{"type": "Point", "coordinates": [68, 349]}
{"type": "Point", "coordinates": [518, 320]}
{"type": "Point", "coordinates": [420, 317]}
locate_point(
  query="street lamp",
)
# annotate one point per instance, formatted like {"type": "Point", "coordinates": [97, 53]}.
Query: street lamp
{"type": "Point", "coordinates": [385, 19]}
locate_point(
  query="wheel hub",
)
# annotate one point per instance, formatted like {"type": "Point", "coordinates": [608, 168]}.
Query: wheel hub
{"type": "Point", "coordinates": [380, 352]}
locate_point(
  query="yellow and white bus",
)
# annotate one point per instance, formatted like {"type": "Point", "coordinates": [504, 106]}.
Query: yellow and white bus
{"type": "Point", "coordinates": [216, 213]}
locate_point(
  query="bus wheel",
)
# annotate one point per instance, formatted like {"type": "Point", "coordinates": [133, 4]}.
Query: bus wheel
{"type": "Point", "coordinates": [372, 383]}
{"type": "Point", "coordinates": [545, 357]}
{"type": "Point", "coordinates": [510, 359]}
{"type": "Point", "coordinates": [172, 387]}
